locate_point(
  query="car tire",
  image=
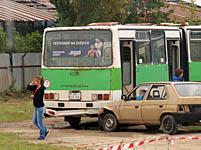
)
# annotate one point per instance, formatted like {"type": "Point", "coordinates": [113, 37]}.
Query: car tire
{"type": "Point", "coordinates": [109, 122]}
{"type": "Point", "coordinates": [152, 127]}
{"type": "Point", "coordinates": [74, 121]}
{"type": "Point", "coordinates": [169, 124]}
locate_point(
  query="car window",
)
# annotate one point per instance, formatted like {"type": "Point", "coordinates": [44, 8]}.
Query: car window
{"type": "Point", "coordinates": [138, 93]}
{"type": "Point", "coordinates": [158, 92]}
{"type": "Point", "coordinates": [189, 89]}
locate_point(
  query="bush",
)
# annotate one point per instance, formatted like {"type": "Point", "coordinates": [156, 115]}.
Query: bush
{"type": "Point", "coordinates": [28, 43]}
{"type": "Point", "coordinates": [2, 41]}
{"type": "Point", "coordinates": [31, 42]}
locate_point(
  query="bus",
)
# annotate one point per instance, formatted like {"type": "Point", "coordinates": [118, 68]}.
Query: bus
{"type": "Point", "coordinates": [191, 52]}
{"type": "Point", "coordinates": [87, 67]}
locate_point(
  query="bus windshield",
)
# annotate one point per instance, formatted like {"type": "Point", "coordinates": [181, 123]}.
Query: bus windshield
{"type": "Point", "coordinates": [195, 46]}
{"type": "Point", "coordinates": [73, 48]}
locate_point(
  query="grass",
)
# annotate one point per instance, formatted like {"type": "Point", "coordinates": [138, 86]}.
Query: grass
{"type": "Point", "coordinates": [16, 108]}
{"type": "Point", "coordinates": [10, 141]}
{"type": "Point", "coordinates": [194, 128]}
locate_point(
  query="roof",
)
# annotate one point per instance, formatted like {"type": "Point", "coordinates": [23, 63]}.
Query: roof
{"type": "Point", "coordinates": [197, 2]}
{"type": "Point", "coordinates": [181, 12]}
{"type": "Point", "coordinates": [10, 10]}
{"type": "Point", "coordinates": [39, 4]}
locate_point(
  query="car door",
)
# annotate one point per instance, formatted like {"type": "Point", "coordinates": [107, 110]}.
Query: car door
{"type": "Point", "coordinates": [154, 103]}
{"type": "Point", "coordinates": [130, 109]}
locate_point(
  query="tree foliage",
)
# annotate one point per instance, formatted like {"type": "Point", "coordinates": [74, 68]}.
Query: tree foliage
{"type": "Point", "coordinates": [28, 43]}
{"type": "Point", "coordinates": [31, 42]}
{"type": "Point", "coordinates": [83, 12]}
{"type": "Point", "coordinates": [2, 41]}
{"type": "Point", "coordinates": [147, 11]}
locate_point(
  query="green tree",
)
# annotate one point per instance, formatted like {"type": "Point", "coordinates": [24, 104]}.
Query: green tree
{"type": "Point", "coordinates": [3, 46]}
{"type": "Point", "coordinates": [147, 11]}
{"type": "Point", "coordinates": [28, 43]}
{"type": "Point", "coordinates": [83, 12]}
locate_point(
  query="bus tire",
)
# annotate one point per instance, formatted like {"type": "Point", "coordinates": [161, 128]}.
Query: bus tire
{"type": "Point", "coordinates": [109, 122]}
{"type": "Point", "coordinates": [169, 124]}
{"type": "Point", "coordinates": [74, 121]}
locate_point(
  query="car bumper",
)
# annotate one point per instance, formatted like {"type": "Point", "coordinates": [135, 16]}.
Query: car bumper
{"type": "Point", "coordinates": [187, 117]}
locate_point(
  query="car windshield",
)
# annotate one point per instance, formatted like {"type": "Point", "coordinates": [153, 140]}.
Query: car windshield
{"type": "Point", "coordinates": [186, 89]}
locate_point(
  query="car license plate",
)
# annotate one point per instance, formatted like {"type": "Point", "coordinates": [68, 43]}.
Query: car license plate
{"type": "Point", "coordinates": [75, 96]}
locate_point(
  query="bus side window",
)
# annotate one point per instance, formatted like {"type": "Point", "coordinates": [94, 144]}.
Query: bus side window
{"type": "Point", "coordinates": [158, 46]}
{"type": "Point", "coordinates": [143, 47]}
{"type": "Point", "coordinates": [126, 63]}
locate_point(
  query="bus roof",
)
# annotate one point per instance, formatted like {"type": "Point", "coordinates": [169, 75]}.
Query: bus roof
{"type": "Point", "coordinates": [192, 27]}
{"type": "Point", "coordinates": [117, 27]}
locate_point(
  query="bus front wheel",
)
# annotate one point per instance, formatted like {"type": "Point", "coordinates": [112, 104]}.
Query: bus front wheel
{"type": "Point", "coordinates": [74, 121]}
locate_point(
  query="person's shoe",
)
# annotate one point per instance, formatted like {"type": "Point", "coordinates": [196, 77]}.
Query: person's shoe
{"type": "Point", "coordinates": [46, 133]}
{"type": "Point", "coordinates": [41, 138]}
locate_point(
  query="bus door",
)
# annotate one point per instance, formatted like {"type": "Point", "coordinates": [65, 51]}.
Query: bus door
{"type": "Point", "coordinates": [151, 56]}
{"type": "Point", "coordinates": [173, 38]}
{"type": "Point", "coordinates": [173, 56]}
{"type": "Point", "coordinates": [127, 65]}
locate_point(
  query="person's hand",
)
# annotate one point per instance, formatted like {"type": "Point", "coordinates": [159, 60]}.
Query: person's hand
{"type": "Point", "coordinates": [31, 83]}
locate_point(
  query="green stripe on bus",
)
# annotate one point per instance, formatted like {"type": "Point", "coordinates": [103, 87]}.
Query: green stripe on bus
{"type": "Point", "coordinates": [195, 71]}
{"type": "Point", "coordinates": [152, 73]}
{"type": "Point", "coordinates": [83, 79]}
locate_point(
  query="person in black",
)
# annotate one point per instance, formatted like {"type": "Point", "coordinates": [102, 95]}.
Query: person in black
{"type": "Point", "coordinates": [36, 86]}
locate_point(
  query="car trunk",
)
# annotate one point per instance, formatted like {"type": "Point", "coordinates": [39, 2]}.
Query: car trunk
{"type": "Point", "coordinates": [194, 103]}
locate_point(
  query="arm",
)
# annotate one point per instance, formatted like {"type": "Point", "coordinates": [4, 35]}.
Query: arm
{"type": "Point", "coordinates": [31, 87]}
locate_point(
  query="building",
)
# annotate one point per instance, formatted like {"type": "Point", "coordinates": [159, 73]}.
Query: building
{"type": "Point", "coordinates": [20, 15]}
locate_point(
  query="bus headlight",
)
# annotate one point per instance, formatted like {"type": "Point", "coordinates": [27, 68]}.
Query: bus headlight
{"type": "Point", "coordinates": [46, 83]}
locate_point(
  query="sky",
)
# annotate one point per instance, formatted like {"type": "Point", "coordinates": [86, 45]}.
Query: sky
{"type": "Point", "coordinates": [198, 2]}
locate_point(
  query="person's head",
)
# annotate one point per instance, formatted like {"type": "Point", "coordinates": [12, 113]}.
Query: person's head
{"type": "Point", "coordinates": [179, 72]}
{"type": "Point", "coordinates": [38, 81]}
{"type": "Point", "coordinates": [97, 40]}
{"type": "Point", "coordinates": [142, 92]}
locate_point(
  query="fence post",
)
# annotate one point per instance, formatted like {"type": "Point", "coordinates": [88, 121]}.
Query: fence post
{"type": "Point", "coordinates": [23, 72]}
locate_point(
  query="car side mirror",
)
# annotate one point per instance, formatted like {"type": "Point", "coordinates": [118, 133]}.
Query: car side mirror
{"type": "Point", "coordinates": [124, 97]}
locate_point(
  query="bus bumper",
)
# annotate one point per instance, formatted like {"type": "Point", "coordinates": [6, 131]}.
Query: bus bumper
{"type": "Point", "coordinates": [79, 112]}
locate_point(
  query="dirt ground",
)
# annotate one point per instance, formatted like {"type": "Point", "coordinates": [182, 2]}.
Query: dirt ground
{"type": "Point", "coordinates": [89, 137]}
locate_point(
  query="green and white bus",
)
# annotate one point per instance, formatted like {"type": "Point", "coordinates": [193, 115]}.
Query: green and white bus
{"type": "Point", "coordinates": [87, 67]}
{"type": "Point", "coordinates": [191, 52]}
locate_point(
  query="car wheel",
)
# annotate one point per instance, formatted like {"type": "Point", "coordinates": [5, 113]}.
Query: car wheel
{"type": "Point", "coordinates": [152, 127]}
{"type": "Point", "coordinates": [109, 122]}
{"type": "Point", "coordinates": [169, 124]}
{"type": "Point", "coordinates": [74, 121]}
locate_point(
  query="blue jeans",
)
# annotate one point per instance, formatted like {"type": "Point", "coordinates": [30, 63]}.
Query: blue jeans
{"type": "Point", "coordinates": [38, 121]}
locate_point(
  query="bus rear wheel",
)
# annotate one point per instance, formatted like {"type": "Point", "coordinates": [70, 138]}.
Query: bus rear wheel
{"type": "Point", "coordinates": [74, 121]}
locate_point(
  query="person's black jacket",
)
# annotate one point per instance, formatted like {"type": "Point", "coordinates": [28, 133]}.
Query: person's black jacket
{"type": "Point", "coordinates": [38, 95]}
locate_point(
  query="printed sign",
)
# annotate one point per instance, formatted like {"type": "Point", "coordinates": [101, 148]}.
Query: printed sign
{"type": "Point", "coordinates": [74, 48]}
